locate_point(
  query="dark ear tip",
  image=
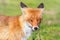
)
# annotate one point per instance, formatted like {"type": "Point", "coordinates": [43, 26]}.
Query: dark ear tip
{"type": "Point", "coordinates": [41, 5]}
{"type": "Point", "coordinates": [22, 5]}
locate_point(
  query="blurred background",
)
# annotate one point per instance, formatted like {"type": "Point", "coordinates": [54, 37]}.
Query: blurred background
{"type": "Point", "coordinates": [50, 26]}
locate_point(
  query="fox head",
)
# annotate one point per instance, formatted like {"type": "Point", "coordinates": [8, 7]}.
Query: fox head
{"type": "Point", "coordinates": [32, 16]}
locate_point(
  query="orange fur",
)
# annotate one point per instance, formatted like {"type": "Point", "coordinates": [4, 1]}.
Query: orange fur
{"type": "Point", "coordinates": [14, 24]}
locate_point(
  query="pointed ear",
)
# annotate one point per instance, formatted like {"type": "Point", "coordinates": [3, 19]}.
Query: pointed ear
{"type": "Point", "coordinates": [41, 5]}
{"type": "Point", "coordinates": [22, 5]}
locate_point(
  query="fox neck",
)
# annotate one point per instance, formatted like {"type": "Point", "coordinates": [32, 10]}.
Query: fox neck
{"type": "Point", "coordinates": [26, 29]}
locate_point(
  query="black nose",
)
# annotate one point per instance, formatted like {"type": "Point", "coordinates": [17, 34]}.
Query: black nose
{"type": "Point", "coordinates": [35, 28]}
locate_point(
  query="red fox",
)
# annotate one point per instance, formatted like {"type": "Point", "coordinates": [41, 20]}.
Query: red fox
{"type": "Point", "coordinates": [21, 27]}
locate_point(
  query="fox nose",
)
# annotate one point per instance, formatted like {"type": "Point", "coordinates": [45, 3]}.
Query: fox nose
{"type": "Point", "coordinates": [35, 28]}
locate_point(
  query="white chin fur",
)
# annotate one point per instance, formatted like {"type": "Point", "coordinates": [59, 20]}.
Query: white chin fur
{"type": "Point", "coordinates": [27, 30]}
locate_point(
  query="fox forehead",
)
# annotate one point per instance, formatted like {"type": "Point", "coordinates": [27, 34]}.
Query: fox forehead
{"type": "Point", "coordinates": [32, 10]}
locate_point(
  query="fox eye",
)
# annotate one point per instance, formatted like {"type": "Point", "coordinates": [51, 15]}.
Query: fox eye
{"type": "Point", "coordinates": [31, 20]}
{"type": "Point", "coordinates": [38, 19]}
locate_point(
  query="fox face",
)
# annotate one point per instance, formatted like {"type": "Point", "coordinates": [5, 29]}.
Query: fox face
{"type": "Point", "coordinates": [32, 16]}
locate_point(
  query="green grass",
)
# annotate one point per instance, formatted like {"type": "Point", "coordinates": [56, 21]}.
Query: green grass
{"type": "Point", "coordinates": [50, 26]}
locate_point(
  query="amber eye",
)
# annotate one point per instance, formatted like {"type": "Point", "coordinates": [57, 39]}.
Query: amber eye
{"type": "Point", "coordinates": [31, 20]}
{"type": "Point", "coordinates": [38, 19]}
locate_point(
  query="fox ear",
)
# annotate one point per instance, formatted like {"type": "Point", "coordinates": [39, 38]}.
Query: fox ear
{"type": "Point", "coordinates": [22, 5]}
{"type": "Point", "coordinates": [41, 5]}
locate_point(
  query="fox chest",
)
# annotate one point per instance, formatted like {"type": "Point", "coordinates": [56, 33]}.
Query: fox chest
{"type": "Point", "coordinates": [27, 32]}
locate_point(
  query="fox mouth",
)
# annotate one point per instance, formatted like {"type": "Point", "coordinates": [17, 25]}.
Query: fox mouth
{"type": "Point", "coordinates": [33, 28]}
